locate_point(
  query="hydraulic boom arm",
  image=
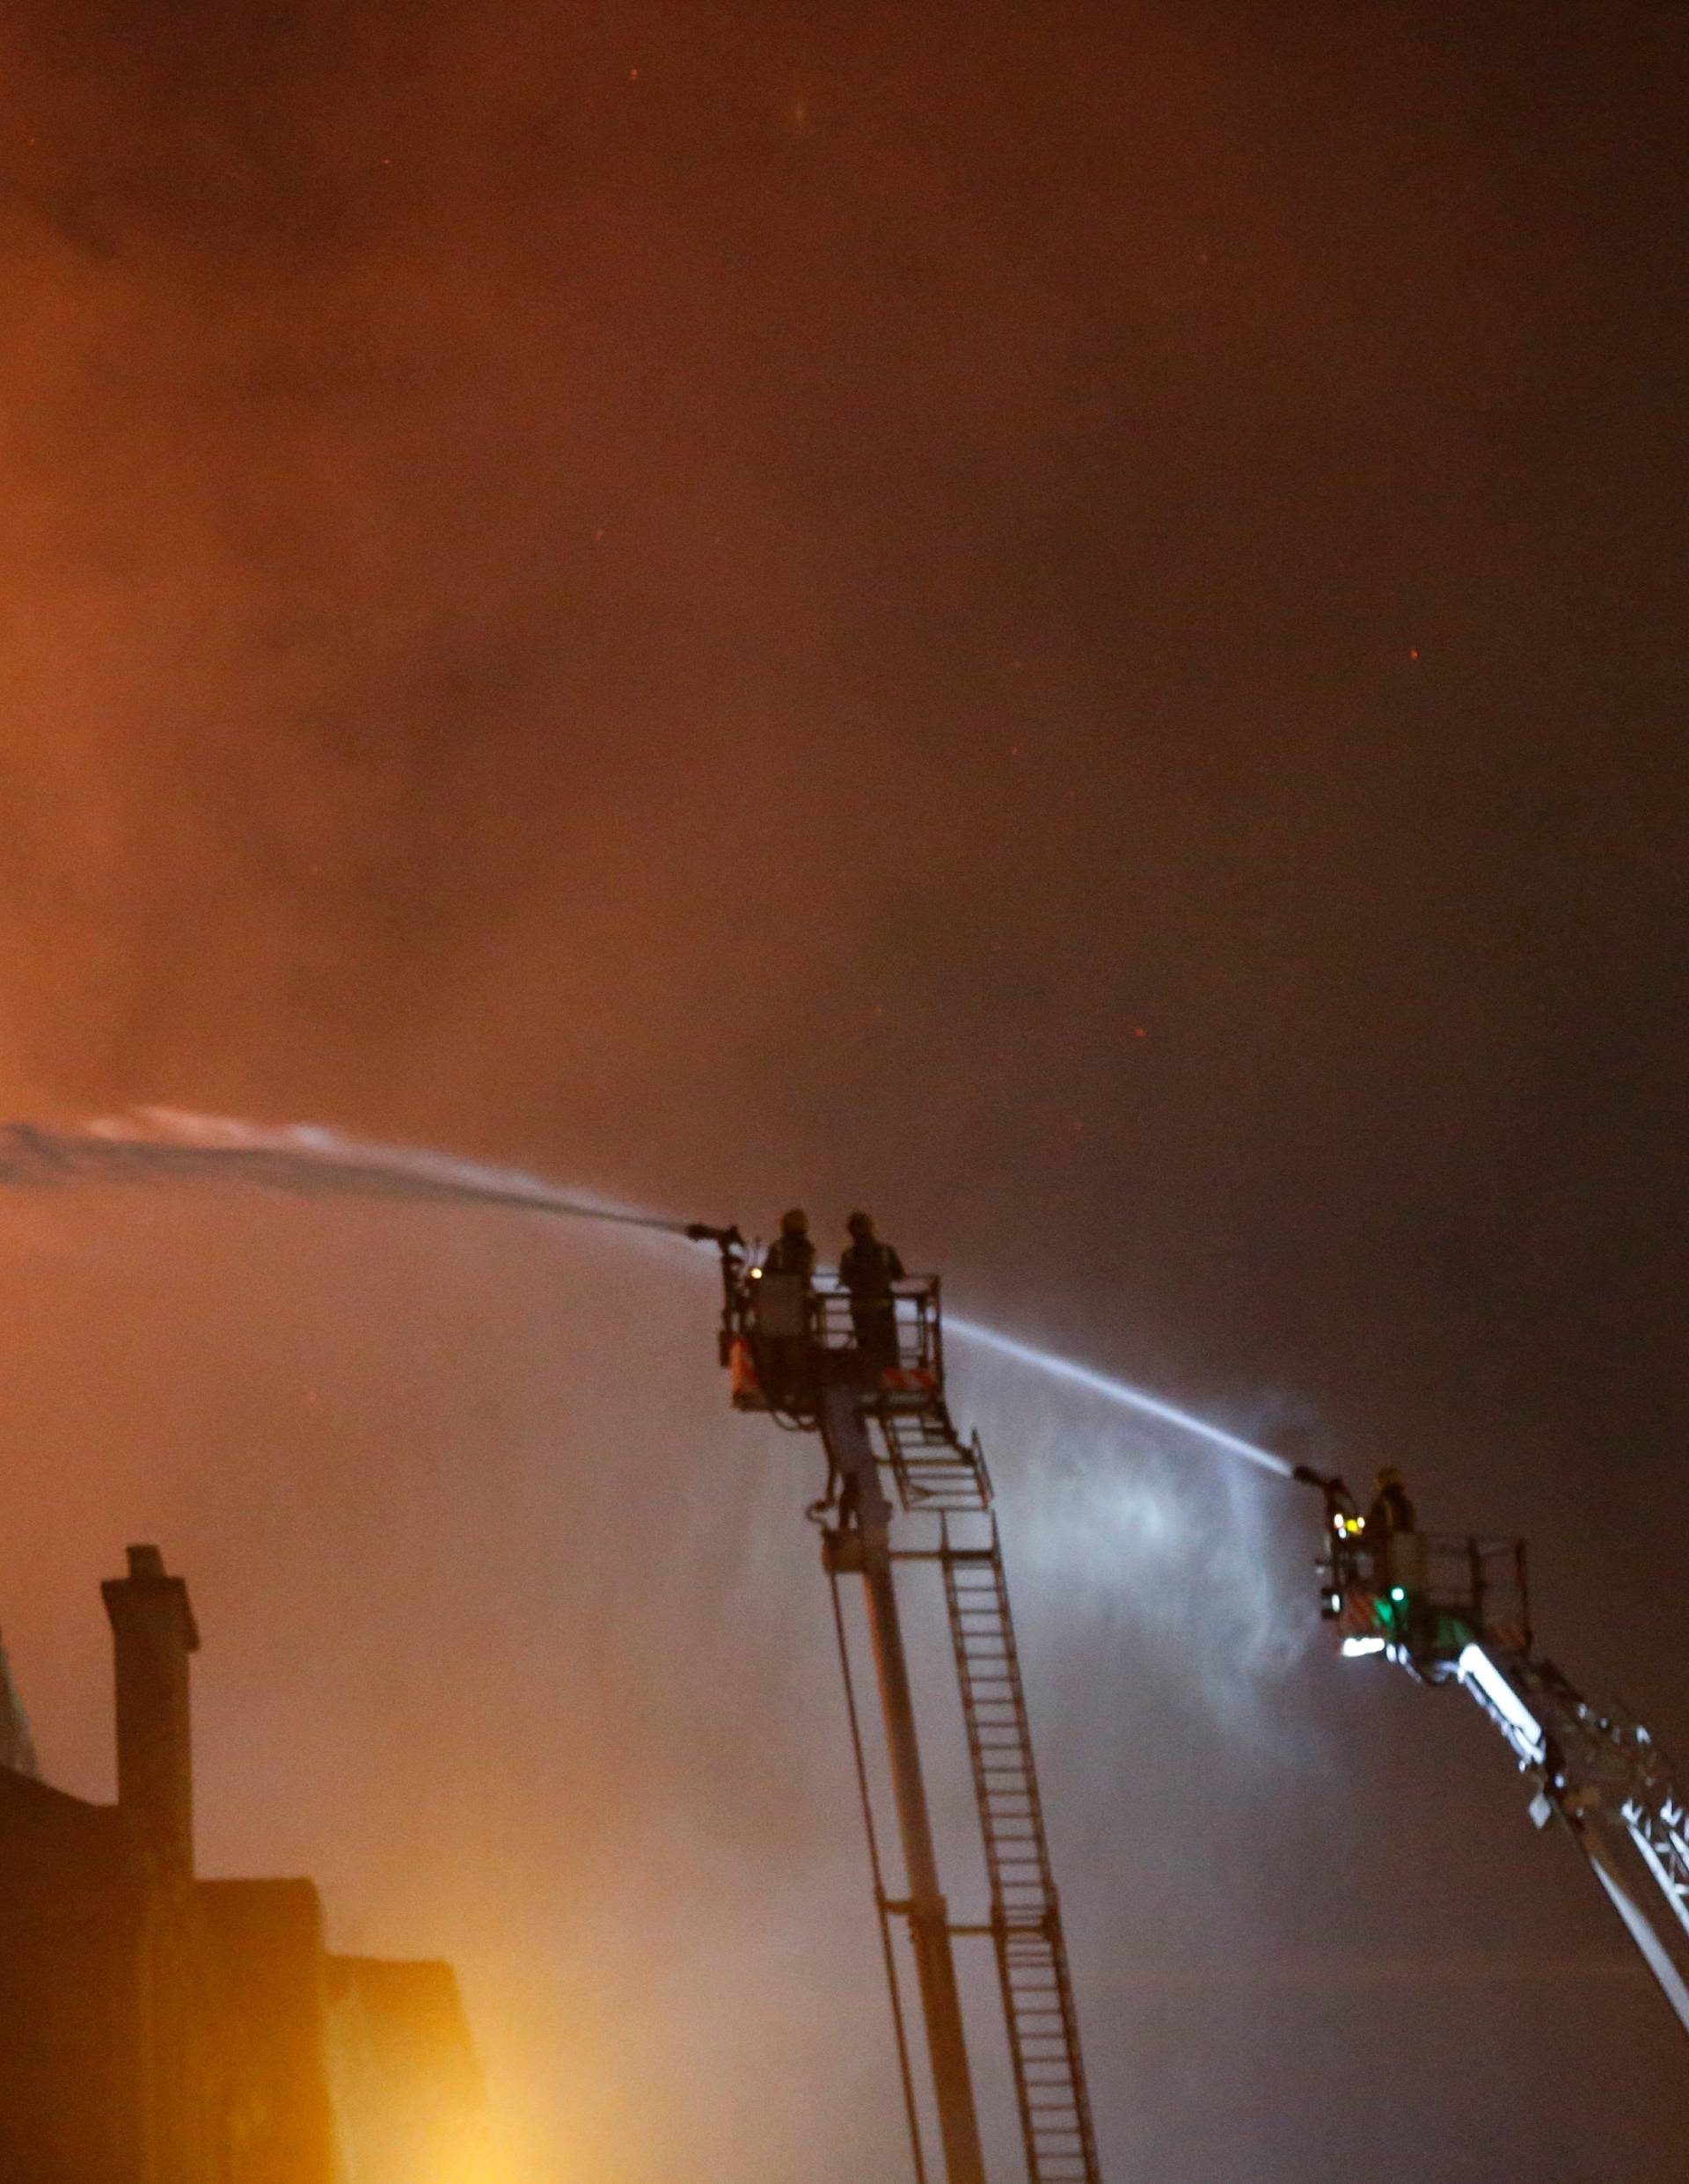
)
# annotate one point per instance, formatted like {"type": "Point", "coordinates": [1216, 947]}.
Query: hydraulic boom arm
{"type": "Point", "coordinates": [1457, 1611]}
{"type": "Point", "coordinates": [1604, 1776]}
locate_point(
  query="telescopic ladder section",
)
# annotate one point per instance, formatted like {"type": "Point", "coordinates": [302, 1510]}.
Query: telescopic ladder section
{"type": "Point", "coordinates": [1025, 1909]}
{"type": "Point", "coordinates": [1601, 1773]}
{"type": "Point", "coordinates": [939, 1474]}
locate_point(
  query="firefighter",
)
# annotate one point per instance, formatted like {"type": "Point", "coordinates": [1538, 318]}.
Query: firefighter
{"type": "Point", "coordinates": [793, 1250]}
{"type": "Point", "coordinates": [1391, 1510]}
{"type": "Point", "coordinates": [1389, 1516]}
{"type": "Point", "coordinates": [783, 1309]}
{"type": "Point", "coordinates": [868, 1268]}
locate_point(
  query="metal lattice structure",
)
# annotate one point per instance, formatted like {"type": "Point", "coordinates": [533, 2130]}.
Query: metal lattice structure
{"type": "Point", "coordinates": [1602, 1775]}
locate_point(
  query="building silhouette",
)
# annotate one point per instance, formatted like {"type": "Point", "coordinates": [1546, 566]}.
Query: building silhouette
{"type": "Point", "coordinates": [157, 2028]}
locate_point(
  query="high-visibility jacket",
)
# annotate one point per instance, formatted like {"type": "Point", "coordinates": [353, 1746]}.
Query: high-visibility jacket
{"type": "Point", "coordinates": [868, 1268]}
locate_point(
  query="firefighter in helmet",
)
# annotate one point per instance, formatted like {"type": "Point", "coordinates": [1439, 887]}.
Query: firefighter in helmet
{"type": "Point", "coordinates": [1391, 1518]}
{"type": "Point", "coordinates": [868, 1268]}
{"type": "Point", "coordinates": [783, 1304]}
{"type": "Point", "coordinates": [793, 1250]}
{"type": "Point", "coordinates": [1391, 1510]}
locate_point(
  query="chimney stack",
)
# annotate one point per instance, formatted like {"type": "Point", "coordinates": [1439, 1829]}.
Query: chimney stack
{"type": "Point", "coordinates": [152, 1634]}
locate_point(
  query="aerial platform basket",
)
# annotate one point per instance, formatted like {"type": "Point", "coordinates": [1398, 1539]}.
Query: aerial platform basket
{"type": "Point", "coordinates": [1424, 1596]}
{"type": "Point", "coordinates": [783, 1338]}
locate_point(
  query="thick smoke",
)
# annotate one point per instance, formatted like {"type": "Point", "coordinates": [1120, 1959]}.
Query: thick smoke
{"type": "Point", "coordinates": [993, 611]}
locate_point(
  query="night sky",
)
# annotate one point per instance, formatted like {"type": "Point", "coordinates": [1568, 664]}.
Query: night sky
{"type": "Point", "coordinates": [1067, 622]}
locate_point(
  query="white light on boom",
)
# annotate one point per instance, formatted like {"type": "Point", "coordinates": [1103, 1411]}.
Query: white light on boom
{"type": "Point", "coordinates": [1521, 1727]}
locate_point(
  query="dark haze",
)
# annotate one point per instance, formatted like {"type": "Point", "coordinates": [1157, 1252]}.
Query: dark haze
{"type": "Point", "coordinates": [1067, 622]}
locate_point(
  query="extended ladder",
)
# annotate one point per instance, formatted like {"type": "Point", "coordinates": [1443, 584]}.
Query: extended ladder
{"type": "Point", "coordinates": [939, 1475]}
{"type": "Point", "coordinates": [871, 1382]}
{"type": "Point", "coordinates": [1025, 1909]}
